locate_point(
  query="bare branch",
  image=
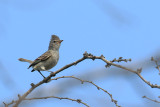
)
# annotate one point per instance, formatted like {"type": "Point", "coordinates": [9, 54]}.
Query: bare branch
{"type": "Point", "coordinates": [76, 100]}
{"type": "Point", "coordinates": [151, 99]}
{"type": "Point", "coordinates": [45, 80]}
{"type": "Point", "coordinates": [6, 105]}
{"type": "Point", "coordinates": [152, 59]}
{"type": "Point", "coordinates": [85, 56]}
{"type": "Point", "coordinates": [120, 59]}
{"type": "Point", "coordinates": [138, 71]}
{"type": "Point", "coordinates": [82, 81]}
{"type": "Point", "coordinates": [147, 82]}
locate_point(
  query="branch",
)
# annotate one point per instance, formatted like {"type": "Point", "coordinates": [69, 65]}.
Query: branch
{"type": "Point", "coordinates": [82, 81]}
{"type": "Point", "coordinates": [120, 59]}
{"type": "Point", "coordinates": [147, 82]}
{"type": "Point", "coordinates": [76, 100]}
{"type": "Point", "coordinates": [85, 56]}
{"type": "Point", "coordinates": [138, 71]}
{"type": "Point", "coordinates": [152, 59]}
{"type": "Point", "coordinates": [45, 80]}
{"type": "Point", "coordinates": [151, 99]}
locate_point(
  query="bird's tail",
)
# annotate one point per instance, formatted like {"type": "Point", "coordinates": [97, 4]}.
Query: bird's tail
{"type": "Point", "coordinates": [25, 60]}
{"type": "Point", "coordinates": [32, 70]}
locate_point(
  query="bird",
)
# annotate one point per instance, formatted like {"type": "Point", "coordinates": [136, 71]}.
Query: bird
{"type": "Point", "coordinates": [49, 59]}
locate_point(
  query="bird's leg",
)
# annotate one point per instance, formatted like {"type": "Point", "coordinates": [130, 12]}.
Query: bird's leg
{"type": "Point", "coordinates": [41, 74]}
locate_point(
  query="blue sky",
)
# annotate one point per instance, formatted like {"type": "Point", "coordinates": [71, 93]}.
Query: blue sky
{"type": "Point", "coordinates": [127, 28]}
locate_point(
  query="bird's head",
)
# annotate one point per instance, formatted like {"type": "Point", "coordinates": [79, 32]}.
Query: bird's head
{"type": "Point", "coordinates": [55, 42]}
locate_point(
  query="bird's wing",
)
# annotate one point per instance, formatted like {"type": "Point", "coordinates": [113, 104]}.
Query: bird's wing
{"type": "Point", "coordinates": [43, 57]}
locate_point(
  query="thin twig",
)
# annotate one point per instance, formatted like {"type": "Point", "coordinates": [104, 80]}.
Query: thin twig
{"type": "Point", "coordinates": [76, 100]}
{"type": "Point", "coordinates": [138, 71]}
{"type": "Point", "coordinates": [156, 62]}
{"type": "Point", "coordinates": [151, 99]}
{"type": "Point", "coordinates": [147, 82]}
{"type": "Point", "coordinates": [82, 81]}
{"type": "Point", "coordinates": [6, 105]}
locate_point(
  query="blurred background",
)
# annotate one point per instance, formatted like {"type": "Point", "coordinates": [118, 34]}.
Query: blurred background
{"type": "Point", "coordinates": [114, 28]}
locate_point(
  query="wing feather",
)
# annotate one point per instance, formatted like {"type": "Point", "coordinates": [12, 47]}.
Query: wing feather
{"type": "Point", "coordinates": [43, 57]}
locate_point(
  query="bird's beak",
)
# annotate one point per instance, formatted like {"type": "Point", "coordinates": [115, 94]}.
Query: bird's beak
{"type": "Point", "coordinates": [60, 41]}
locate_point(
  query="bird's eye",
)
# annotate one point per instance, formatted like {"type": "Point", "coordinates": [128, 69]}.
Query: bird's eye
{"type": "Point", "coordinates": [54, 41]}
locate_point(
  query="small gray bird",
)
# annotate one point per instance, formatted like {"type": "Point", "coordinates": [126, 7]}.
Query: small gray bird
{"type": "Point", "coordinates": [50, 58]}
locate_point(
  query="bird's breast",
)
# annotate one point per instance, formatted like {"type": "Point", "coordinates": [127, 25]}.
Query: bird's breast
{"type": "Point", "coordinates": [52, 61]}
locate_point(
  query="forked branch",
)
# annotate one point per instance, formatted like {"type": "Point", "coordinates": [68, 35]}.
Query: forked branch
{"type": "Point", "coordinates": [85, 56]}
